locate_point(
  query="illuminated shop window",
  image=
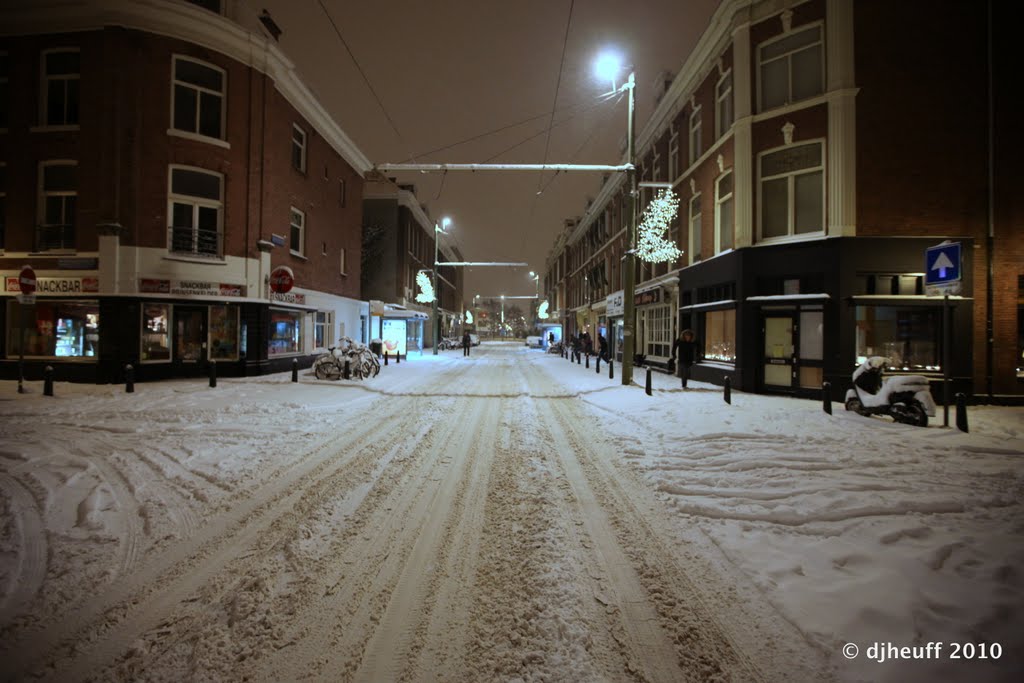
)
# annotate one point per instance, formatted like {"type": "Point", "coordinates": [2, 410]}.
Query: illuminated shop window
{"type": "Point", "coordinates": [156, 337]}
{"type": "Point", "coordinates": [909, 336]}
{"type": "Point", "coordinates": [285, 332]}
{"type": "Point", "coordinates": [720, 336]}
{"type": "Point", "coordinates": [54, 329]}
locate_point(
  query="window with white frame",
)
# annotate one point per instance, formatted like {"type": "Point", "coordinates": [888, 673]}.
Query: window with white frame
{"type": "Point", "coordinates": [792, 67]}
{"type": "Point", "coordinates": [298, 149]}
{"type": "Point", "coordinates": [724, 222]}
{"type": "Point", "coordinates": [695, 135]}
{"type": "Point", "coordinates": [59, 91]}
{"type": "Point", "coordinates": [198, 93]}
{"type": "Point", "coordinates": [343, 262]}
{"type": "Point", "coordinates": [673, 155]}
{"type": "Point", "coordinates": [58, 196]}
{"type": "Point", "coordinates": [196, 208]}
{"type": "Point", "coordinates": [723, 105]}
{"type": "Point", "coordinates": [297, 234]}
{"type": "Point", "coordinates": [657, 323]}
{"type": "Point", "coordinates": [792, 191]}
{"type": "Point", "coordinates": [321, 329]}
{"type": "Point", "coordinates": [695, 229]}
{"type": "Point", "coordinates": [5, 106]}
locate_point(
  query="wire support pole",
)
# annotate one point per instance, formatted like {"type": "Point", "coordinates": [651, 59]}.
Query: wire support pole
{"type": "Point", "coordinates": [628, 304]}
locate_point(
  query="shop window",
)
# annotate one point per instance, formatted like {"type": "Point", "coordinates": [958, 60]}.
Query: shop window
{"type": "Point", "coordinates": [720, 335]}
{"type": "Point", "coordinates": [909, 336]}
{"type": "Point", "coordinates": [695, 135]}
{"type": "Point", "coordinates": [285, 332]}
{"type": "Point", "coordinates": [5, 106]}
{"type": "Point", "coordinates": [156, 337]}
{"type": "Point", "coordinates": [657, 322]}
{"type": "Point", "coordinates": [298, 149]}
{"type": "Point", "coordinates": [196, 206]}
{"type": "Point", "coordinates": [791, 68]}
{"type": "Point", "coordinates": [724, 213]}
{"type": "Point", "coordinates": [224, 332]}
{"type": "Point", "coordinates": [695, 229]}
{"type": "Point", "coordinates": [297, 232]}
{"type": "Point", "coordinates": [723, 105]}
{"type": "Point", "coordinates": [54, 329]}
{"type": "Point", "coordinates": [197, 98]}
{"type": "Point", "coordinates": [58, 189]}
{"type": "Point", "coordinates": [59, 89]}
{"type": "Point", "coordinates": [792, 191]}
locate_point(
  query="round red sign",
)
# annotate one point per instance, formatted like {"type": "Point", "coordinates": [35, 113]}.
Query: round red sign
{"type": "Point", "coordinates": [282, 279]}
{"type": "Point", "coordinates": [27, 280]}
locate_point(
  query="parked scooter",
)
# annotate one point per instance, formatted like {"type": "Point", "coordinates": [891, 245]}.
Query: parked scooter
{"type": "Point", "coordinates": [906, 398]}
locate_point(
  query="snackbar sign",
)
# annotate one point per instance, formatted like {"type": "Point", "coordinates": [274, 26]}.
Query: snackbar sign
{"type": "Point", "coordinates": [55, 285]}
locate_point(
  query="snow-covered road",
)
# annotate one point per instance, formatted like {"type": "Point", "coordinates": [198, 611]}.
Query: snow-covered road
{"type": "Point", "coordinates": [498, 518]}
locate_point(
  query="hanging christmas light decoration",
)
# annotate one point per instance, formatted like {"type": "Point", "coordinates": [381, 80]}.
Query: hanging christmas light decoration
{"type": "Point", "coordinates": [469, 318]}
{"type": "Point", "coordinates": [542, 311]}
{"type": "Point", "coordinates": [652, 246]}
{"type": "Point", "coordinates": [426, 294]}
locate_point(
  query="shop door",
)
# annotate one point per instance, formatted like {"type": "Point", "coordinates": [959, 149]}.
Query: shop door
{"type": "Point", "coordinates": [189, 336]}
{"type": "Point", "coordinates": [779, 350]}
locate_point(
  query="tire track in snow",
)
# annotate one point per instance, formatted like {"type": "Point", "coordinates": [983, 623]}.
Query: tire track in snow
{"type": "Point", "coordinates": [26, 582]}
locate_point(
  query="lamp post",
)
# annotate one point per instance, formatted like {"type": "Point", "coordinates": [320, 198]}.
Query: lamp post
{"type": "Point", "coordinates": [536, 278]}
{"type": "Point", "coordinates": [433, 320]}
{"type": "Point", "coordinates": [502, 315]}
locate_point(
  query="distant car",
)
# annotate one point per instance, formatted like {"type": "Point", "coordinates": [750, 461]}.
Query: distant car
{"type": "Point", "coordinates": [474, 340]}
{"type": "Point", "coordinates": [535, 342]}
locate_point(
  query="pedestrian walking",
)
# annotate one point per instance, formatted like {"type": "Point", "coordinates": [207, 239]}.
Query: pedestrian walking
{"type": "Point", "coordinates": [466, 342]}
{"type": "Point", "coordinates": [684, 350]}
{"type": "Point", "coordinates": [602, 347]}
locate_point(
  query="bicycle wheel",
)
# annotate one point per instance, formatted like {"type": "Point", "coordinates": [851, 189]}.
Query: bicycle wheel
{"type": "Point", "coordinates": [327, 370]}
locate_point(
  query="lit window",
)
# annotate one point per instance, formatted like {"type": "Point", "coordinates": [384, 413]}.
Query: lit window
{"type": "Point", "coordinates": [720, 335]}
{"type": "Point", "coordinates": [695, 229]}
{"type": "Point", "coordinates": [298, 232]}
{"type": "Point", "coordinates": [723, 105]}
{"type": "Point", "coordinates": [909, 336]}
{"type": "Point", "coordinates": [58, 188]}
{"type": "Point", "coordinates": [321, 329]}
{"type": "Point", "coordinates": [724, 213]}
{"type": "Point", "coordinates": [792, 68]}
{"type": "Point", "coordinates": [298, 149]}
{"type": "Point", "coordinates": [792, 191]}
{"type": "Point", "coordinates": [60, 87]}
{"type": "Point", "coordinates": [195, 209]}
{"type": "Point", "coordinates": [198, 98]}
{"type": "Point", "coordinates": [695, 135]}
{"type": "Point", "coordinates": [54, 329]}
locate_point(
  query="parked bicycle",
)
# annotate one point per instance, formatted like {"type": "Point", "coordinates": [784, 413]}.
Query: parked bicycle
{"type": "Point", "coordinates": [361, 361]}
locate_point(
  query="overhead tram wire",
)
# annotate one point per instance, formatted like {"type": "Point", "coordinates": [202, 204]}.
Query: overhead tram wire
{"type": "Point", "coordinates": [366, 80]}
{"type": "Point", "coordinates": [558, 85]}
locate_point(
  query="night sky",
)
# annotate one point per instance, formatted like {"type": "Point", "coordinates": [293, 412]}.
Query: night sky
{"type": "Point", "coordinates": [449, 71]}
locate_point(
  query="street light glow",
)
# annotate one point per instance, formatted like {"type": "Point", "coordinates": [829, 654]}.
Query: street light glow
{"type": "Point", "coordinates": [608, 66]}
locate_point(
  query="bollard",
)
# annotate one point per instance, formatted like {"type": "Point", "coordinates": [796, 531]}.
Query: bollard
{"type": "Point", "coordinates": [129, 379]}
{"type": "Point", "coordinates": [48, 380]}
{"type": "Point", "coordinates": [611, 369]}
{"type": "Point", "coordinates": [727, 394]}
{"type": "Point", "coordinates": [588, 361]}
{"type": "Point", "coordinates": [398, 358]}
{"type": "Point", "coordinates": [598, 365]}
{"type": "Point", "coordinates": [295, 369]}
{"type": "Point", "coordinates": [213, 373]}
{"type": "Point", "coordinates": [647, 383]}
{"type": "Point", "coordinates": [961, 412]}
{"type": "Point", "coordinates": [826, 397]}
{"type": "Point", "coordinates": [579, 358]}
{"type": "Point", "coordinates": [348, 369]}
{"type": "Point", "coordinates": [385, 358]}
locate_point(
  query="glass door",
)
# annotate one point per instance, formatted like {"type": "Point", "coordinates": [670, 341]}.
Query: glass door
{"type": "Point", "coordinates": [779, 351]}
{"type": "Point", "coordinates": [189, 334]}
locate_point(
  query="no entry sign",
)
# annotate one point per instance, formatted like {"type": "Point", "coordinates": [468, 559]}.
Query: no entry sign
{"type": "Point", "coordinates": [282, 279]}
{"type": "Point", "coordinates": [27, 280]}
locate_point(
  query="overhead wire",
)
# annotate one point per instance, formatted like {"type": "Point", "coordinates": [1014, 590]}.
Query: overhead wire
{"type": "Point", "coordinates": [558, 85]}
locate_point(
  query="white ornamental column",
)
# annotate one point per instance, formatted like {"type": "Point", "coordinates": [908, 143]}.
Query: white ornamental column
{"type": "Point", "coordinates": [743, 147]}
{"type": "Point", "coordinates": [842, 119]}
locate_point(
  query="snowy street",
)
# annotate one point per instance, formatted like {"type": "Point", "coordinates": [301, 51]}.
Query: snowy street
{"type": "Point", "coordinates": [509, 516]}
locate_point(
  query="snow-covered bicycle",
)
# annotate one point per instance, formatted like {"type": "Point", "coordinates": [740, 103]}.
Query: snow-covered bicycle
{"type": "Point", "coordinates": [361, 361]}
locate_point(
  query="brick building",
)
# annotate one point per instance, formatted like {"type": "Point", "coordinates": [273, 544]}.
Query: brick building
{"type": "Point", "coordinates": [159, 160]}
{"type": "Point", "coordinates": [399, 243]}
{"type": "Point", "coordinates": [818, 149]}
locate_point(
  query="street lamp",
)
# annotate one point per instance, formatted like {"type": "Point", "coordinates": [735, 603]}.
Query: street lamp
{"type": "Point", "coordinates": [502, 315]}
{"type": "Point", "coordinates": [445, 222]}
{"type": "Point", "coordinates": [607, 67]}
{"type": "Point", "coordinates": [536, 278]}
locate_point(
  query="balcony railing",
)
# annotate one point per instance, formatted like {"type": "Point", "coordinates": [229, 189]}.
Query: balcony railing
{"type": "Point", "coordinates": [55, 237]}
{"type": "Point", "coordinates": [194, 241]}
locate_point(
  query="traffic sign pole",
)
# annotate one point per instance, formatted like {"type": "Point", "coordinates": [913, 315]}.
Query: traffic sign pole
{"type": "Point", "coordinates": [27, 283]}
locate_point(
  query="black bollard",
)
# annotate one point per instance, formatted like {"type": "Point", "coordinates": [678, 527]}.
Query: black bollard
{"type": "Point", "coordinates": [579, 358]}
{"type": "Point", "coordinates": [129, 379]}
{"type": "Point", "coordinates": [598, 365]}
{"type": "Point", "coordinates": [295, 369]}
{"type": "Point", "coordinates": [647, 383]}
{"type": "Point", "coordinates": [611, 370]}
{"type": "Point", "coordinates": [961, 412]}
{"type": "Point", "coordinates": [213, 373]}
{"type": "Point", "coordinates": [347, 374]}
{"type": "Point", "coordinates": [385, 358]}
{"type": "Point", "coordinates": [826, 397]}
{"type": "Point", "coordinates": [588, 361]}
{"type": "Point", "coordinates": [398, 358]}
{"type": "Point", "coordinates": [727, 395]}
{"type": "Point", "coordinates": [48, 380]}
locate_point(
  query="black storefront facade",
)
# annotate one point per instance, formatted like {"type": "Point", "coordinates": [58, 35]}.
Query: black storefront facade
{"type": "Point", "coordinates": [784, 318]}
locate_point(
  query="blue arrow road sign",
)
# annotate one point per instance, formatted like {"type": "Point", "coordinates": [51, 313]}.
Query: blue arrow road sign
{"type": "Point", "coordinates": [942, 263]}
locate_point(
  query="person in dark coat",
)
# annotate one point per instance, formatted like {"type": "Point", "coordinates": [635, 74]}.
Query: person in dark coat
{"type": "Point", "coordinates": [466, 342]}
{"type": "Point", "coordinates": [684, 350]}
{"type": "Point", "coordinates": [588, 344]}
{"type": "Point", "coordinates": [602, 347]}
